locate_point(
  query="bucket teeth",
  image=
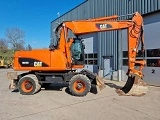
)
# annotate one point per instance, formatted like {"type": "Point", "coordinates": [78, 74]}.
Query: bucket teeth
{"type": "Point", "coordinates": [134, 86]}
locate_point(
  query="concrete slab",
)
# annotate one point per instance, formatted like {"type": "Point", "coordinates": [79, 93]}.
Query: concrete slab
{"type": "Point", "coordinates": [55, 104]}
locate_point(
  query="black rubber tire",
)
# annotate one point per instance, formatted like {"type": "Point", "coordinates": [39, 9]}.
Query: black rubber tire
{"type": "Point", "coordinates": [85, 80]}
{"type": "Point", "coordinates": [33, 80]}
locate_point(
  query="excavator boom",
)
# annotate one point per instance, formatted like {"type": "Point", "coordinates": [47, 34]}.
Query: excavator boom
{"type": "Point", "coordinates": [135, 37]}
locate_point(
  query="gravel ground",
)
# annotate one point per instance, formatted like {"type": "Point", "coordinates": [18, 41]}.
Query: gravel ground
{"type": "Point", "coordinates": [57, 104]}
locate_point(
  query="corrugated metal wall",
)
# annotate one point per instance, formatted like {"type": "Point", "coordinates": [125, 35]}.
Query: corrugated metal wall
{"type": "Point", "coordinates": [108, 42]}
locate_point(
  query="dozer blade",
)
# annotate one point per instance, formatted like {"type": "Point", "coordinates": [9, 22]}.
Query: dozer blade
{"type": "Point", "coordinates": [100, 82]}
{"type": "Point", "coordinates": [134, 86]}
{"type": "Point", "coordinates": [12, 76]}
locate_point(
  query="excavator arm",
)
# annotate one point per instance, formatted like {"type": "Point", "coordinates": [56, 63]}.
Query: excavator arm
{"type": "Point", "coordinates": [135, 37]}
{"type": "Point", "coordinates": [135, 34]}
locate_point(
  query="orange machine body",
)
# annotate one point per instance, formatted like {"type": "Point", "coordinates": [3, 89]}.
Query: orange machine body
{"type": "Point", "coordinates": [42, 60]}
{"type": "Point", "coordinates": [60, 57]}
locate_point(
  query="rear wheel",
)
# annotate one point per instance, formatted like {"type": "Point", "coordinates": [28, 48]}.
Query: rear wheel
{"type": "Point", "coordinates": [28, 85]}
{"type": "Point", "coordinates": [79, 85]}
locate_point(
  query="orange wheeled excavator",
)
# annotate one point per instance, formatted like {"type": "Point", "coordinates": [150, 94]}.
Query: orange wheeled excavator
{"type": "Point", "coordinates": [60, 62]}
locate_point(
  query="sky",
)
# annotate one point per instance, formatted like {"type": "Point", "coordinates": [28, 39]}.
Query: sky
{"type": "Point", "coordinates": [34, 17]}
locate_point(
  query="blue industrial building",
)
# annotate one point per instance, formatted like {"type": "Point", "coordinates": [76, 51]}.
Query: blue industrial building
{"type": "Point", "coordinates": [106, 52]}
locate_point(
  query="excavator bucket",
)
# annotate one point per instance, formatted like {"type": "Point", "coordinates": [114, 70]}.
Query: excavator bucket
{"type": "Point", "coordinates": [134, 86]}
{"type": "Point", "coordinates": [100, 82]}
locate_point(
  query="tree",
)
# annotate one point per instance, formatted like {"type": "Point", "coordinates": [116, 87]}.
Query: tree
{"type": "Point", "coordinates": [15, 37]}
{"type": "Point", "coordinates": [3, 45]}
{"type": "Point", "coordinates": [19, 46]}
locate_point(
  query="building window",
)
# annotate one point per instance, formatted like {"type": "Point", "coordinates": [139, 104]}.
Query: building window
{"type": "Point", "coordinates": [152, 57]}
{"type": "Point", "coordinates": [85, 61]}
{"type": "Point", "coordinates": [95, 55]}
{"type": "Point", "coordinates": [90, 55]}
{"type": "Point", "coordinates": [95, 62]}
{"type": "Point", "coordinates": [91, 59]}
{"type": "Point", "coordinates": [125, 54]}
{"type": "Point", "coordinates": [139, 54]}
{"type": "Point", "coordinates": [86, 56]}
{"type": "Point", "coordinates": [153, 62]}
{"type": "Point", "coordinates": [90, 62]}
{"type": "Point", "coordinates": [125, 62]}
{"type": "Point", "coordinates": [153, 52]}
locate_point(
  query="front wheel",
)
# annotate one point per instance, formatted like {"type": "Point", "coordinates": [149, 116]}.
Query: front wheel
{"type": "Point", "coordinates": [28, 85]}
{"type": "Point", "coordinates": [79, 85]}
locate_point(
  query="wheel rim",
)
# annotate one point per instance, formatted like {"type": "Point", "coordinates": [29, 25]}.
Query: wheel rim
{"type": "Point", "coordinates": [79, 86]}
{"type": "Point", "coordinates": [27, 86]}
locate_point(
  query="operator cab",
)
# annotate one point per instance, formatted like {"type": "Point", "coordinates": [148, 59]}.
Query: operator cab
{"type": "Point", "coordinates": [77, 50]}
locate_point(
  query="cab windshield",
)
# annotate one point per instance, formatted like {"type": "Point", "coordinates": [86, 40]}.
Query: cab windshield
{"type": "Point", "coordinates": [77, 50]}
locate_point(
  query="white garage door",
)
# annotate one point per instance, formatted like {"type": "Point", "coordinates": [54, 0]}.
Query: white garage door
{"type": "Point", "coordinates": [91, 60]}
{"type": "Point", "coordinates": [152, 46]}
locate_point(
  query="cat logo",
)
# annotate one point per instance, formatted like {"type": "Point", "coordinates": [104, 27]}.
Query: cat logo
{"type": "Point", "coordinates": [103, 26]}
{"type": "Point", "coordinates": [37, 64]}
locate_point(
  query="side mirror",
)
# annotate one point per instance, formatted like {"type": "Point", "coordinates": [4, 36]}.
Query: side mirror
{"type": "Point", "coordinates": [83, 46]}
{"type": "Point", "coordinates": [51, 47]}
